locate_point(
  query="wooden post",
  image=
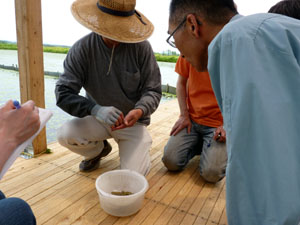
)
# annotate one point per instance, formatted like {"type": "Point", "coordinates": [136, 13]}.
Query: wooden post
{"type": "Point", "coordinates": [30, 56]}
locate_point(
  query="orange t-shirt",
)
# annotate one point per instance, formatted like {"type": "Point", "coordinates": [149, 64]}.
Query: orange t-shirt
{"type": "Point", "coordinates": [201, 101]}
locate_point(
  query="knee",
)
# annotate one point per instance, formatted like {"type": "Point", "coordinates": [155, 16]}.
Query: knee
{"type": "Point", "coordinates": [20, 204]}
{"type": "Point", "coordinates": [171, 162]}
{"type": "Point", "coordinates": [62, 134]}
{"type": "Point", "coordinates": [21, 212]}
{"type": "Point", "coordinates": [212, 175]}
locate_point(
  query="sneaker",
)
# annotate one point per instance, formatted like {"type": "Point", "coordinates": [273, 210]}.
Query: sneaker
{"type": "Point", "coordinates": [93, 164]}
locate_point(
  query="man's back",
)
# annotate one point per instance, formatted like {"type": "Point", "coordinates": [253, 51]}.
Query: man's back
{"type": "Point", "coordinates": [254, 64]}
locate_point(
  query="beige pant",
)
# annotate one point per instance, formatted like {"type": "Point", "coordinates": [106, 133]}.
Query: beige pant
{"type": "Point", "coordinates": [85, 136]}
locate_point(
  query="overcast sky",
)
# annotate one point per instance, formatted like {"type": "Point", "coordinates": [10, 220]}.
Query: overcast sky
{"type": "Point", "coordinates": [59, 26]}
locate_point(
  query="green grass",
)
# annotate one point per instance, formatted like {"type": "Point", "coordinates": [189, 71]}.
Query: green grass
{"type": "Point", "coordinates": [56, 49]}
{"type": "Point", "coordinates": [166, 58]}
{"type": "Point", "coordinates": [64, 49]}
{"type": "Point", "coordinates": [168, 95]}
{"type": "Point", "coordinates": [8, 46]}
{"type": "Point", "coordinates": [48, 151]}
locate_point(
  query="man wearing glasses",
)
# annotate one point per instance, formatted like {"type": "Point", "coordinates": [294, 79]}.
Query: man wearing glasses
{"type": "Point", "coordinates": [254, 67]}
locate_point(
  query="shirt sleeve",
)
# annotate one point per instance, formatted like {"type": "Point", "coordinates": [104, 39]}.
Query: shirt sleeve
{"type": "Point", "coordinates": [150, 82]}
{"type": "Point", "coordinates": [182, 67]}
{"type": "Point", "coordinates": [71, 81]}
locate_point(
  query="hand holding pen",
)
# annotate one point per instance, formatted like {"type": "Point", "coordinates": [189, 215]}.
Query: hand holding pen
{"type": "Point", "coordinates": [18, 123]}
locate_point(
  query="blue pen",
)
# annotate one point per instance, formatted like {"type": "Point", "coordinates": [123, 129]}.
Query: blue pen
{"type": "Point", "coordinates": [17, 104]}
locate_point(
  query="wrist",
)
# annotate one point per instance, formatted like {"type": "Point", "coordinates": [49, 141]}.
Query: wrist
{"type": "Point", "coordinates": [7, 143]}
{"type": "Point", "coordinates": [185, 114]}
{"type": "Point", "coordinates": [95, 109]}
{"type": "Point", "coordinates": [140, 112]}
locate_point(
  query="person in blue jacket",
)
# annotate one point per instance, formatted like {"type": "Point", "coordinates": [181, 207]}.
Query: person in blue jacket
{"type": "Point", "coordinates": [254, 67]}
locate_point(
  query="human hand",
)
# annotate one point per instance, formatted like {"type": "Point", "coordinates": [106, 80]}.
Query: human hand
{"type": "Point", "coordinates": [17, 125]}
{"type": "Point", "coordinates": [220, 134]}
{"type": "Point", "coordinates": [184, 121]}
{"type": "Point", "coordinates": [108, 115]}
{"type": "Point", "coordinates": [130, 119]}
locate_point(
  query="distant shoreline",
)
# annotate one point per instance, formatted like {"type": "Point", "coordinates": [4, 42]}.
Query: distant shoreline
{"type": "Point", "coordinates": [5, 45]}
{"type": "Point", "coordinates": [168, 91]}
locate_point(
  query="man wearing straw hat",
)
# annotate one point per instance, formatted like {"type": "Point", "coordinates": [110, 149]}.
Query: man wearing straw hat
{"type": "Point", "coordinates": [118, 70]}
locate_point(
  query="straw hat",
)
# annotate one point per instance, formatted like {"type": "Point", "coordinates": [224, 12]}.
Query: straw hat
{"type": "Point", "coordinates": [114, 19]}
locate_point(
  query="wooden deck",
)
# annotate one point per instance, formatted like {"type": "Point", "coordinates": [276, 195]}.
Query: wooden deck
{"type": "Point", "coordinates": [59, 194]}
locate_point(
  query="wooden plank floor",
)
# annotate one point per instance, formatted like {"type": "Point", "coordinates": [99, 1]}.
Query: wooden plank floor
{"type": "Point", "coordinates": [59, 194]}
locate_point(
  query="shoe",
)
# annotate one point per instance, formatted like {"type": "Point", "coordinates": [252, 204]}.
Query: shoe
{"type": "Point", "coordinates": [93, 164]}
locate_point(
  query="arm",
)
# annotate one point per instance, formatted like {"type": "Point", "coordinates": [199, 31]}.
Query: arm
{"type": "Point", "coordinates": [16, 126]}
{"type": "Point", "coordinates": [150, 88]}
{"type": "Point", "coordinates": [72, 80]}
{"type": "Point", "coordinates": [150, 81]}
{"type": "Point", "coordinates": [68, 100]}
{"type": "Point", "coordinates": [184, 118]}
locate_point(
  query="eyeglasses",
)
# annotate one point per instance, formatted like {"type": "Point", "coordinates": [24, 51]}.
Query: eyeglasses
{"type": "Point", "coordinates": [170, 40]}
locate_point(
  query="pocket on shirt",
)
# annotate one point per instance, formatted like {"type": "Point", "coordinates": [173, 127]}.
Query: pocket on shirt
{"type": "Point", "coordinates": [131, 83]}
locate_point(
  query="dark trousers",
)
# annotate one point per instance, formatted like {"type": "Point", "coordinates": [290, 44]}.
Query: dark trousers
{"type": "Point", "coordinates": [15, 211]}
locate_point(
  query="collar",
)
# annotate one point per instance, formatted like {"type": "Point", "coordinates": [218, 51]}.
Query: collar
{"type": "Point", "coordinates": [236, 17]}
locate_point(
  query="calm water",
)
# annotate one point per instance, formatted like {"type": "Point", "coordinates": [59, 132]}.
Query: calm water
{"type": "Point", "coordinates": [9, 85]}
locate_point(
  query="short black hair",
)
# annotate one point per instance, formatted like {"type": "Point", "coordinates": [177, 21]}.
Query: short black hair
{"type": "Point", "coordinates": [214, 11]}
{"type": "Point", "coordinates": [289, 8]}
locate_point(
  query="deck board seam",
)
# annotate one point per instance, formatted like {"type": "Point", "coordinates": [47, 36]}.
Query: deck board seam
{"type": "Point", "coordinates": [66, 169]}
{"type": "Point", "coordinates": [181, 210]}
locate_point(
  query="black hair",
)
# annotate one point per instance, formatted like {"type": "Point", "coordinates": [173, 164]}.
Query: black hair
{"type": "Point", "coordinates": [214, 11]}
{"type": "Point", "coordinates": [289, 8]}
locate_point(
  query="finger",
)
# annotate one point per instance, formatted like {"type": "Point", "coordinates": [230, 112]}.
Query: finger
{"type": "Point", "coordinates": [122, 126]}
{"type": "Point", "coordinates": [30, 104]}
{"type": "Point", "coordinates": [222, 138]}
{"type": "Point", "coordinates": [115, 115]}
{"type": "Point", "coordinates": [117, 123]}
{"type": "Point", "coordinates": [114, 119]}
{"type": "Point", "coordinates": [121, 118]}
{"type": "Point", "coordinates": [117, 111]}
{"type": "Point", "coordinates": [129, 121]}
{"type": "Point", "coordinates": [223, 133]}
{"type": "Point", "coordinates": [173, 129]}
{"type": "Point", "coordinates": [111, 121]}
{"type": "Point", "coordinates": [189, 128]}
{"type": "Point", "coordinates": [216, 134]}
{"type": "Point", "coordinates": [172, 132]}
{"type": "Point", "coordinates": [176, 131]}
{"type": "Point", "coordinates": [9, 105]}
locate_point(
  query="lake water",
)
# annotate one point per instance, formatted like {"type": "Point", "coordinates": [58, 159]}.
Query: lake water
{"type": "Point", "coordinates": [9, 85]}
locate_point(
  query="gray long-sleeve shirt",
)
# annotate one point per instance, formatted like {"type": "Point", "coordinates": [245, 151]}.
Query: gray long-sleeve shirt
{"type": "Point", "coordinates": [133, 81]}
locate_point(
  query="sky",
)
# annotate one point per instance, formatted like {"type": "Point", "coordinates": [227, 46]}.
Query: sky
{"type": "Point", "coordinates": [60, 28]}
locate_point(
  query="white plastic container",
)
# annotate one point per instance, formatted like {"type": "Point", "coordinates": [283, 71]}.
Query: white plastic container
{"type": "Point", "coordinates": [118, 181]}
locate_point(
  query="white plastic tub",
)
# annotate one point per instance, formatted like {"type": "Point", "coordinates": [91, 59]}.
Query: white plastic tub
{"type": "Point", "coordinates": [121, 180]}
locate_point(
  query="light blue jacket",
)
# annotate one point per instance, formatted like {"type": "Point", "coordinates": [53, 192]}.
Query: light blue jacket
{"type": "Point", "coordinates": [254, 65]}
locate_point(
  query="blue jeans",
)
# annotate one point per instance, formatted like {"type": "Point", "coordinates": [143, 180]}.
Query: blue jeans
{"type": "Point", "coordinates": [15, 211]}
{"type": "Point", "coordinates": [181, 148]}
